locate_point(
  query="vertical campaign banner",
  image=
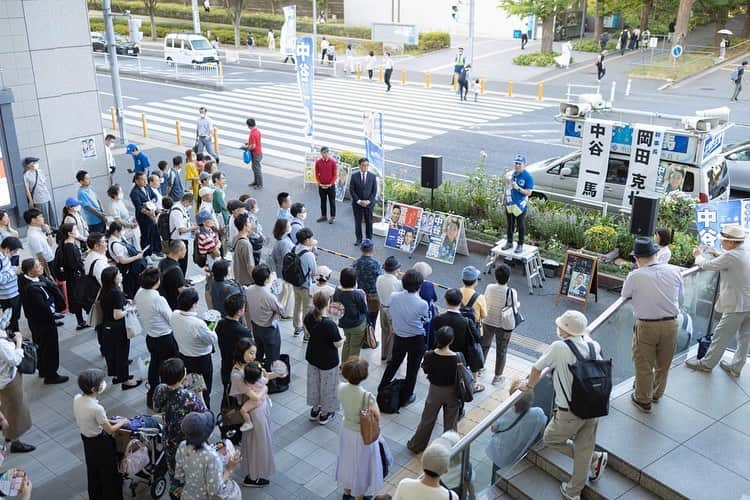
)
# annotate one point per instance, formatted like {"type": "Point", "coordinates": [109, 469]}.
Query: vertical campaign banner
{"type": "Point", "coordinates": [289, 30]}
{"type": "Point", "coordinates": [596, 142]}
{"type": "Point", "coordinates": [710, 218]}
{"type": "Point", "coordinates": [373, 126]}
{"type": "Point", "coordinates": [304, 56]}
{"type": "Point", "coordinates": [645, 173]}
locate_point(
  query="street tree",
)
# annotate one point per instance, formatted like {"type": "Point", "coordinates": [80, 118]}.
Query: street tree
{"type": "Point", "coordinates": [151, 9]}
{"type": "Point", "coordinates": [746, 27]}
{"type": "Point", "coordinates": [544, 10]}
{"type": "Point", "coordinates": [235, 8]}
{"type": "Point", "coordinates": [681, 24]}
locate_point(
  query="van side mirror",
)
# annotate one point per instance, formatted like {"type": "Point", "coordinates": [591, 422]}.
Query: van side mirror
{"type": "Point", "coordinates": [731, 157]}
{"type": "Point", "coordinates": [565, 172]}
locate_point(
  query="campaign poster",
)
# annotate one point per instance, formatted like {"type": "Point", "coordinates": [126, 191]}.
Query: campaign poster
{"type": "Point", "coordinates": [425, 226]}
{"type": "Point", "coordinates": [579, 285]}
{"type": "Point", "coordinates": [342, 182]}
{"type": "Point", "coordinates": [88, 148]}
{"type": "Point", "coordinates": [710, 218]}
{"type": "Point", "coordinates": [310, 159]}
{"type": "Point", "coordinates": [403, 225]}
{"type": "Point", "coordinates": [446, 231]}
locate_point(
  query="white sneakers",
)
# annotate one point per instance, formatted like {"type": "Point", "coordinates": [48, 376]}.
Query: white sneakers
{"type": "Point", "coordinates": [598, 464]}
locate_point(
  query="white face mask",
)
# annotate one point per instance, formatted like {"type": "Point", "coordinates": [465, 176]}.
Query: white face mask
{"type": "Point", "coordinates": [256, 210]}
{"type": "Point", "coordinates": [203, 115]}
{"type": "Point", "coordinates": [102, 387]}
{"type": "Point", "coordinates": [302, 215]}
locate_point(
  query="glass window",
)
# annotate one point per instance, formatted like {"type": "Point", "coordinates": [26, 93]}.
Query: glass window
{"type": "Point", "coordinates": [717, 178]}
{"type": "Point", "coordinates": [742, 155]}
{"type": "Point", "coordinates": [200, 44]}
{"type": "Point", "coordinates": [617, 171]}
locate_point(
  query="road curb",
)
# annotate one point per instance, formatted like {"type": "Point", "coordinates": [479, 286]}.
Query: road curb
{"type": "Point", "coordinates": [678, 83]}
{"type": "Point", "coordinates": [164, 79]}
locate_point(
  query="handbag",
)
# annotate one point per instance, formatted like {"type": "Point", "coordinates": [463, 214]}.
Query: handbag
{"type": "Point", "coordinates": [510, 318]}
{"type": "Point", "coordinates": [135, 458]}
{"type": "Point", "coordinates": [369, 341]}
{"type": "Point", "coordinates": [464, 380]}
{"type": "Point", "coordinates": [96, 315]}
{"type": "Point", "coordinates": [230, 412]}
{"type": "Point", "coordinates": [133, 326]}
{"type": "Point", "coordinates": [29, 361]}
{"type": "Point", "coordinates": [247, 157]}
{"type": "Point", "coordinates": [369, 421]}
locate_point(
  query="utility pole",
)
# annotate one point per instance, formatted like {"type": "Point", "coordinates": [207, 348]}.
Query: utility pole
{"type": "Point", "coordinates": [114, 67]}
{"type": "Point", "coordinates": [315, 31]}
{"type": "Point", "coordinates": [470, 50]}
{"type": "Point", "coordinates": [196, 18]}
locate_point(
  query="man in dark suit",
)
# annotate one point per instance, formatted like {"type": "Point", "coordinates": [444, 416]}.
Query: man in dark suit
{"type": "Point", "coordinates": [145, 214]}
{"type": "Point", "coordinates": [363, 188]}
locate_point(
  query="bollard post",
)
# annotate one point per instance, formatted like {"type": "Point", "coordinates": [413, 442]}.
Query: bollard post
{"type": "Point", "coordinates": [612, 93]}
{"type": "Point", "coordinates": [482, 86]}
{"type": "Point", "coordinates": [403, 77]}
{"type": "Point", "coordinates": [114, 118]}
{"type": "Point", "coordinates": [143, 124]}
{"type": "Point", "coordinates": [627, 87]}
{"type": "Point", "coordinates": [216, 140]}
{"type": "Point", "coordinates": [427, 79]}
{"type": "Point", "coordinates": [177, 132]}
{"type": "Point", "coordinates": [260, 61]}
{"type": "Point", "coordinates": [540, 91]}
{"type": "Point", "coordinates": [380, 73]}
{"type": "Point", "coordinates": [221, 73]}
{"type": "Point", "coordinates": [455, 82]}
{"type": "Point", "coordinates": [510, 88]}
{"type": "Point", "coordinates": [359, 71]}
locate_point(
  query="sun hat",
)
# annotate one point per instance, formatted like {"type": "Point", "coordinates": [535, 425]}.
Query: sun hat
{"type": "Point", "coordinates": [324, 273]}
{"type": "Point", "coordinates": [470, 273]}
{"type": "Point", "coordinates": [391, 264]}
{"type": "Point", "coordinates": [436, 457]}
{"type": "Point", "coordinates": [573, 323]}
{"type": "Point", "coordinates": [197, 427]}
{"type": "Point", "coordinates": [732, 232]}
{"type": "Point", "coordinates": [644, 247]}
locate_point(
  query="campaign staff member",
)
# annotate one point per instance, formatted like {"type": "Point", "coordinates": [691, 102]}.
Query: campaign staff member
{"type": "Point", "coordinates": [516, 201]}
{"type": "Point", "coordinates": [326, 172]}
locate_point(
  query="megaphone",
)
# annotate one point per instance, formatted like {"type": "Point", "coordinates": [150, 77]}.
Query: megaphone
{"type": "Point", "coordinates": [574, 110]}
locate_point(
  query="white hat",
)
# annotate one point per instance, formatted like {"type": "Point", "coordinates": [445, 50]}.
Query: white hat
{"type": "Point", "coordinates": [573, 323]}
{"type": "Point", "coordinates": [732, 232]}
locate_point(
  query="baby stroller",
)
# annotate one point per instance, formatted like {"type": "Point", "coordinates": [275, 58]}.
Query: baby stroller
{"type": "Point", "coordinates": [144, 459]}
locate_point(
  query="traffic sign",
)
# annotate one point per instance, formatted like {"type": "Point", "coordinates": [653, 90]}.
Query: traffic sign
{"type": "Point", "coordinates": [677, 51]}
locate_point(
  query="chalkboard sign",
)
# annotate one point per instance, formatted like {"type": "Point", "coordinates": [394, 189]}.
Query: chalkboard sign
{"type": "Point", "coordinates": [579, 278]}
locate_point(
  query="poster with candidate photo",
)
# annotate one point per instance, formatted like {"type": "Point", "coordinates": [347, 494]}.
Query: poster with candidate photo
{"type": "Point", "coordinates": [403, 225]}
{"type": "Point", "coordinates": [444, 236]}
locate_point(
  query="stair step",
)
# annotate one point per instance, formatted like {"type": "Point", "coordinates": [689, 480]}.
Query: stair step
{"type": "Point", "coordinates": [526, 481]}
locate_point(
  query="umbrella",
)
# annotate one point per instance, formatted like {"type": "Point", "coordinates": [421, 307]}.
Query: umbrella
{"type": "Point", "coordinates": [725, 32]}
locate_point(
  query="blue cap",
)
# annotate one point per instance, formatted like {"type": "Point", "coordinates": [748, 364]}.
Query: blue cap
{"type": "Point", "coordinates": [131, 147]}
{"type": "Point", "coordinates": [470, 273]}
{"type": "Point", "coordinates": [367, 245]}
{"type": "Point", "coordinates": [202, 216]}
{"type": "Point", "coordinates": [520, 159]}
{"type": "Point", "coordinates": [72, 202]}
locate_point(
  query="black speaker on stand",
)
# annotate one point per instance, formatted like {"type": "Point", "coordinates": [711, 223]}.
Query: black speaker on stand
{"type": "Point", "coordinates": [643, 215]}
{"type": "Point", "coordinates": [432, 175]}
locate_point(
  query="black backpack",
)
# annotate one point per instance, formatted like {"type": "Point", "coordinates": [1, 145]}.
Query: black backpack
{"type": "Point", "coordinates": [592, 384]}
{"type": "Point", "coordinates": [162, 225]}
{"type": "Point", "coordinates": [389, 396]}
{"type": "Point", "coordinates": [56, 266]}
{"type": "Point", "coordinates": [468, 312]}
{"type": "Point", "coordinates": [200, 259]}
{"type": "Point", "coordinates": [85, 292]}
{"type": "Point", "coordinates": [291, 268]}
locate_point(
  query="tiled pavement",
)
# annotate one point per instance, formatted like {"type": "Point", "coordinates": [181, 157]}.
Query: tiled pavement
{"type": "Point", "coordinates": [305, 452]}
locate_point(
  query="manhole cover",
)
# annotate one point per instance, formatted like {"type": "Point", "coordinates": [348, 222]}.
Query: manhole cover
{"type": "Point", "coordinates": [706, 88]}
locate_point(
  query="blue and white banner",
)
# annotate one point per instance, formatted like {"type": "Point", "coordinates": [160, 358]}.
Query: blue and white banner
{"type": "Point", "coordinates": [289, 30]}
{"type": "Point", "coordinates": [304, 55]}
{"type": "Point", "coordinates": [710, 218]}
{"type": "Point", "coordinates": [373, 126]}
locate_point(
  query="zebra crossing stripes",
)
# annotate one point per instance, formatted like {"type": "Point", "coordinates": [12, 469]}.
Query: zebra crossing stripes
{"type": "Point", "coordinates": [410, 115]}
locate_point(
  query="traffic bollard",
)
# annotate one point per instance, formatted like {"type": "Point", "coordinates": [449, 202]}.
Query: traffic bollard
{"type": "Point", "coordinates": [427, 79]}
{"type": "Point", "coordinates": [221, 73]}
{"type": "Point", "coordinates": [177, 132]}
{"type": "Point", "coordinates": [455, 82]}
{"type": "Point", "coordinates": [403, 77]}
{"type": "Point", "coordinates": [540, 91]}
{"type": "Point", "coordinates": [359, 71]}
{"type": "Point", "coordinates": [114, 117]}
{"type": "Point", "coordinates": [380, 73]}
{"type": "Point", "coordinates": [627, 87]}
{"type": "Point", "coordinates": [510, 88]}
{"type": "Point", "coordinates": [143, 124]}
{"type": "Point", "coordinates": [482, 86]}
{"type": "Point", "coordinates": [216, 140]}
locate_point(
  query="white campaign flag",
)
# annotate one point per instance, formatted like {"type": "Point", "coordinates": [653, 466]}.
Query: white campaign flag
{"type": "Point", "coordinates": [592, 172]}
{"type": "Point", "coordinates": [289, 30]}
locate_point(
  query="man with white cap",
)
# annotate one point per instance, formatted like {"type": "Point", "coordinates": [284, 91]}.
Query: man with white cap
{"type": "Point", "coordinates": [654, 290]}
{"type": "Point", "coordinates": [436, 461]}
{"type": "Point", "coordinates": [566, 427]}
{"type": "Point", "coordinates": [519, 187]}
{"type": "Point", "coordinates": [733, 303]}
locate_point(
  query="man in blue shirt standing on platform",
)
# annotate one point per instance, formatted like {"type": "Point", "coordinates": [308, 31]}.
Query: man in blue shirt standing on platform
{"type": "Point", "coordinates": [516, 200]}
{"type": "Point", "coordinates": [140, 160]}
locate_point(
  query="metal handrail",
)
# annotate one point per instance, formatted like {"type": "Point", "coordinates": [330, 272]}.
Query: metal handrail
{"type": "Point", "coordinates": [487, 421]}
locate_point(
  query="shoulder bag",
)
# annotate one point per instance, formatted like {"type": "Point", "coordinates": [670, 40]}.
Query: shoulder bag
{"type": "Point", "coordinates": [369, 421]}
{"type": "Point", "coordinates": [230, 411]}
{"type": "Point", "coordinates": [96, 315]}
{"type": "Point", "coordinates": [464, 380]}
{"type": "Point", "coordinates": [135, 458]}
{"type": "Point", "coordinates": [29, 361]}
{"type": "Point", "coordinates": [510, 318]}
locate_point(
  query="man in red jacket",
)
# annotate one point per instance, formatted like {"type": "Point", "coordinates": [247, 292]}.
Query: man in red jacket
{"type": "Point", "coordinates": [326, 172]}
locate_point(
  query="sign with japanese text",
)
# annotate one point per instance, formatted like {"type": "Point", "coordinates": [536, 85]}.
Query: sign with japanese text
{"type": "Point", "coordinates": [304, 55]}
{"type": "Point", "coordinates": [645, 171]}
{"type": "Point", "coordinates": [373, 126]}
{"type": "Point", "coordinates": [403, 225]}
{"type": "Point", "coordinates": [710, 218]}
{"type": "Point", "coordinates": [445, 235]}
{"type": "Point", "coordinates": [289, 30]}
{"type": "Point", "coordinates": [596, 141]}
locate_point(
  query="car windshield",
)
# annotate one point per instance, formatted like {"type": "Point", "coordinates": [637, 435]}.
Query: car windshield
{"type": "Point", "coordinates": [200, 44]}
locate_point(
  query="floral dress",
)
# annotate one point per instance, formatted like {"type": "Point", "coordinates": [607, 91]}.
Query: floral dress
{"type": "Point", "coordinates": [175, 404]}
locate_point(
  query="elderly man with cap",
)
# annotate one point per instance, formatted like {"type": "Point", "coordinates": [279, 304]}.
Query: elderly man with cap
{"type": "Point", "coordinates": [368, 270]}
{"type": "Point", "coordinates": [386, 284]}
{"type": "Point", "coordinates": [436, 461]}
{"type": "Point", "coordinates": [565, 427]}
{"type": "Point", "coordinates": [326, 173]}
{"type": "Point", "coordinates": [654, 290]}
{"type": "Point", "coordinates": [733, 303]}
{"type": "Point", "coordinates": [519, 186]}
{"type": "Point", "coordinates": [140, 160]}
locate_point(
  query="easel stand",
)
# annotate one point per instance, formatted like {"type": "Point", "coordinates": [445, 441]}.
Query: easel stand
{"type": "Point", "coordinates": [576, 265]}
{"type": "Point", "coordinates": [529, 257]}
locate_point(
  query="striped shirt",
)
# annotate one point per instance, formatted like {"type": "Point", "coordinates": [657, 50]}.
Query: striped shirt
{"type": "Point", "coordinates": [8, 278]}
{"type": "Point", "coordinates": [208, 242]}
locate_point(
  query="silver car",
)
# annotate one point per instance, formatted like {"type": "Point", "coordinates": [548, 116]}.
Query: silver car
{"type": "Point", "coordinates": [737, 157]}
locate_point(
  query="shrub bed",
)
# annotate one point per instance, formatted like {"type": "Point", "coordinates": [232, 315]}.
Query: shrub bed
{"type": "Point", "coordinates": [536, 59]}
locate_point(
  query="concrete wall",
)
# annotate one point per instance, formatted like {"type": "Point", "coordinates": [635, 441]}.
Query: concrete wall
{"type": "Point", "coordinates": [434, 15]}
{"type": "Point", "coordinates": [46, 61]}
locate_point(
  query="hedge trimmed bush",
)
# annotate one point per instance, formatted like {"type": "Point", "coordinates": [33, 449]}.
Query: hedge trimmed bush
{"type": "Point", "coordinates": [590, 45]}
{"type": "Point", "coordinates": [536, 59]}
{"type": "Point", "coordinates": [434, 40]}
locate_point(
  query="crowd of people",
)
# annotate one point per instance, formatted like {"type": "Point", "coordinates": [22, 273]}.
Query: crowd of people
{"type": "Point", "coordinates": [122, 268]}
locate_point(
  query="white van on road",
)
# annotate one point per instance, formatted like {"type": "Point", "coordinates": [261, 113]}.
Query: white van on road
{"type": "Point", "coordinates": [188, 48]}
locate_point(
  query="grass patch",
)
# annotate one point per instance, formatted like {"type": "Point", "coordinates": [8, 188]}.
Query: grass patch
{"type": "Point", "coordinates": [662, 68]}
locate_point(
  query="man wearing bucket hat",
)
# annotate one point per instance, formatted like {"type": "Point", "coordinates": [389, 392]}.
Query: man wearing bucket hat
{"type": "Point", "coordinates": [436, 462]}
{"type": "Point", "coordinates": [565, 426]}
{"type": "Point", "coordinates": [516, 200]}
{"type": "Point", "coordinates": [733, 302]}
{"type": "Point", "coordinates": [654, 290]}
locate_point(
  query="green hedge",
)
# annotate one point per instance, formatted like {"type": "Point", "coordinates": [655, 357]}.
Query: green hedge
{"type": "Point", "coordinates": [590, 45]}
{"type": "Point", "coordinates": [222, 16]}
{"type": "Point", "coordinates": [434, 40]}
{"type": "Point", "coordinates": [536, 59]}
{"type": "Point", "coordinates": [226, 35]}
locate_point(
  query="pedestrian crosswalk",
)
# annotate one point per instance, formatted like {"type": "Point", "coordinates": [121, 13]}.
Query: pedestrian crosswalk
{"type": "Point", "coordinates": [410, 114]}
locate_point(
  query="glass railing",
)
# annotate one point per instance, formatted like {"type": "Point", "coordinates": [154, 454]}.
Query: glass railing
{"type": "Point", "coordinates": [613, 329]}
{"type": "Point", "coordinates": [482, 456]}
